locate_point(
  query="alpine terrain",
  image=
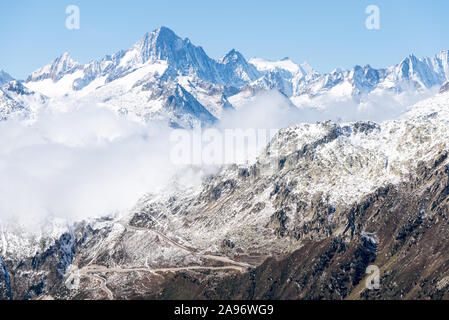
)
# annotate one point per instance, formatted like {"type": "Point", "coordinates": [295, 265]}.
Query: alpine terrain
{"type": "Point", "coordinates": [320, 204]}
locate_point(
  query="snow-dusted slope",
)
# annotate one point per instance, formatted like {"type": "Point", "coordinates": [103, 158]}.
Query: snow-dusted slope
{"type": "Point", "coordinates": [246, 212]}
{"type": "Point", "coordinates": [445, 87]}
{"type": "Point", "coordinates": [337, 164]}
{"type": "Point", "coordinates": [17, 101]}
{"type": "Point", "coordinates": [300, 188]}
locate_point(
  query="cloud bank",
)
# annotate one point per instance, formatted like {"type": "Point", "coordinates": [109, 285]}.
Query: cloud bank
{"type": "Point", "coordinates": [89, 162]}
{"type": "Point", "coordinates": [78, 164]}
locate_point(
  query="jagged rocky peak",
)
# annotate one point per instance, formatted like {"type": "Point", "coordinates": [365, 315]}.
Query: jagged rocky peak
{"type": "Point", "coordinates": [443, 54]}
{"type": "Point", "coordinates": [443, 57]}
{"type": "Point", "coordinates": [62, 65]}
{"type": "Point", "coordinates": [17, 87]}
{"type": "Point", "coordinates": [158, 44]}
{"type": "Point", "coordinates": [237, 67]}
{"type": "Point", "coordinates": [187, 111]}
{"type": "Point", "coordinates": [443, 62]}
{"type": "Point", "coordinates": [286, 66]}
{"type": "Point", "coordinates": [233, 56]}
{"type": "Point", "coordinates": [407, 67]}
{"type": "Point", "coordinates": [308, 68]}
{"type": "Point", "coordinates": [181, 55]}
{"type": "Point", "coordinates": [424, 72]}
{"type": "Point", "coordinates": [364, 78]}
{"type": "Point", "coordinates": [164, 44]}
{"type": "Point", "coordinates": [5, 77]}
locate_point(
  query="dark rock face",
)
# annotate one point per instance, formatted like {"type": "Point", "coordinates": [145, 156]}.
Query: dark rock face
{"type": "Point", "coordinates": [5, 282]}
{"type": "Point", "coordinates": [445, 87]}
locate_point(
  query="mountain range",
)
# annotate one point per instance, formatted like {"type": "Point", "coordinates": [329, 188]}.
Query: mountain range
{"type": "Point", "coordinates": [164, 77]}
{"type": "Point", "coordinates": [340, 197]}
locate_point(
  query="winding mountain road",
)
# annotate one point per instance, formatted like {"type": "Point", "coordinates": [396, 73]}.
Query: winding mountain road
{"type": "Point", "coordinates": [91, 271]}
{"type": "Point", "coordinates": [102, 284]}
{"type": "Point", "coordinates": [182, 247]}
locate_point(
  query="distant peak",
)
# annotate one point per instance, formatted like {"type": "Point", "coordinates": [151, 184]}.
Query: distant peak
{"type": "Point", "coordinates": [62, 65]}
{"type": "Point", "coordinates": [66, 60]}
{"type": "Point", "coordinates": [5, 77]}
{"type": "Point", "coordinates": [234, 52]}
{"type": "Point", "coordinates": [443, 54]}
{"type": "Point", "coordinates": [65, 55]}
{"type": "Point", "coordinates": [232, 56]}
{"type": "Point", "coordinates": [17, 86]}
{"type": "Point", "coordinates": [307, 68]}
{"type": "Point", "coordinates": [161, 34]}
{"type": "Point", "coordinates": [410, 58]}
{"type": "Point", "coordinates": [4, 73]}
{"type": "Point", "coordinates": [164, 31]}
{"type": "Point", "coordinates": [445, 87]}
{"type": "Point", "coordinates": [337, 70]}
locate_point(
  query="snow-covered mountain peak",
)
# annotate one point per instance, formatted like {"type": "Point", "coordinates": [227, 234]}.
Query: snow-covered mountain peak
{"type": "Point", "coordinates": [308, 68]}
{"type": "Point", "coordinates": [408, 64]}
{"type": "Point", "coordinates": [5, 77]}
{"type": "Point", "coordinates": [164, 44]}
{"type": "Point", "coordinates": [133, 80]}
{"type": "Point", "coordinates": [442, 58]}
{"type": "Point", "coordinates": [285, 64]}
{"type": "Point", "coordinates": [423, 72]}
{"type": "Point", "coordinates": [160, 44]}
{"type": "Point", "coordinates": [186, 59]}
{"type": "Point", "coordinates": [337, 70]}
{"type": "Point", "coordinates": [364, 79]}
{"type": "Point", "coordinates": [17, 87]}
{"type": "Point", "coordinates": [164, 32]}
{"type": "Point", "coordinates": [234, 66]}
{"type": "Point", "coordinates": [232, 56]}
{"type": "Point", "coordinates": [443, 55]}
{"type": "Point", "coordinates": [62, 65]}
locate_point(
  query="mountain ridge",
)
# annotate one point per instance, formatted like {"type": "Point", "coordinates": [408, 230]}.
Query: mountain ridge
{"type": "Point", "coordinates": [229, 82]}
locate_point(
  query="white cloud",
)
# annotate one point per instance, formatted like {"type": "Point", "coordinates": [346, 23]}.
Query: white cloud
{"type": "Point", "coordinates": [88, 162]}
{"type": "Point", "coordinates": [79, 164]}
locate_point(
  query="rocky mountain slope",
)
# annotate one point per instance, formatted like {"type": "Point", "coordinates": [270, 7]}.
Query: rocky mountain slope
{"type": "Point", "coordinates": [5, 77]}
{"type": "Point", "coordinates": [168, 78]}
{"type": "Point", "coordinates": [321, 203]}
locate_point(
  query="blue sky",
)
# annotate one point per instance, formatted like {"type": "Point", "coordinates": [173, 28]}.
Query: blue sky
{"type": "Point", "coordinates": [326, 33]}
